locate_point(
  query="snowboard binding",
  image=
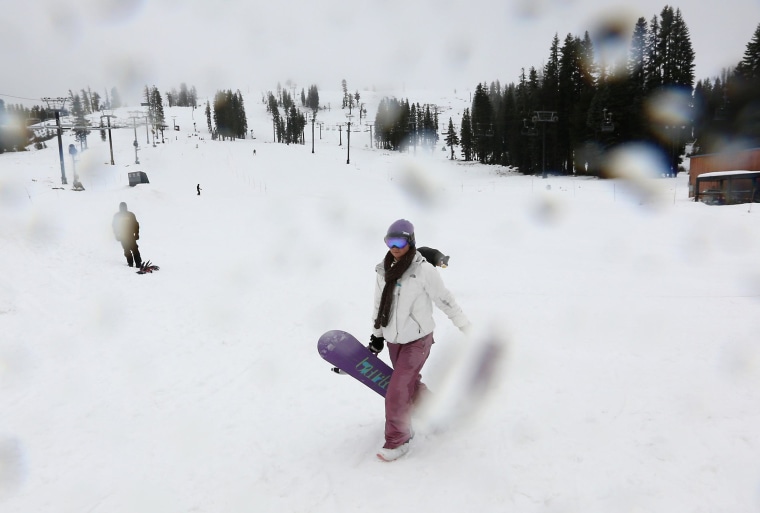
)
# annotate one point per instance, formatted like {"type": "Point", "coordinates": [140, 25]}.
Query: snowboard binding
{"type": "Point", "coordinates": [147, 267]}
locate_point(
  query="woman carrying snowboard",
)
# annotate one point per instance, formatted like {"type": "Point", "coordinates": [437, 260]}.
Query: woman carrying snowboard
{"type": "Point", "coordinates": [407, 286]}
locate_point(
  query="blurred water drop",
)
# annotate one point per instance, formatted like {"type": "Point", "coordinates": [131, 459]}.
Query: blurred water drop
{"type": "Point", "coordinates": [533, 10]}
{"type": "Point", "coordinates": [115, 11]}
{"type": "Point", "coordinates": [12, 465]}
{"type": "Point", "coordinates": [611, 36]}
{"type": "Point", "coordinates": [42, 230]}
{"type": "Point", "coordinates": [669, 109]}
{"type": "Point", "coordinates": [459, 51]}
{"type": "Point", "coordinates": [130, 74]}
{"type": "Point", "coordinates": [12, 191]}
{"type": "Point", "coordinates": [547, 209]}
{"type": "Point", "coordinates": [15, 364]}
{"type": "Point", "coordinates": [477, 372]}
{"type": "Point", "coordinates": [417, 182]}
{"type": "Point", "coordinates": [638, 165]}
{"type": "Point", "coordinates": [66, 22]}
{"type": "Point", "coordinates": [740, 358]}
{"type": "Point", "coordinates": [7, 298]}
{"type": "Point", "coordinates": [529, 9]}
{"type": "Point", "coordinates": [753, 284]}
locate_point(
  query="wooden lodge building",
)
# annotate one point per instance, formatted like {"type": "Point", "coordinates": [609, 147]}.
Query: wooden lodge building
{"type": "Point", "coordinates": [725, 178]}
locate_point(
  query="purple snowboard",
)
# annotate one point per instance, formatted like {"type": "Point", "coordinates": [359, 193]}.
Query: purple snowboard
{"type": "Point", "coordinates": [352, 357]}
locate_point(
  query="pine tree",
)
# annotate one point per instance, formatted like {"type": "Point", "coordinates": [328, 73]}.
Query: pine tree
{"type": "Point", "coordinates": [569, 95]}
{"type": "Point", "coordinates": [93, 102]}
{"type": "Point", "coordinates": [550, 85]}
{"type": "Point", "coordinates": [312, 99]}
{"type": "Point", "coordinates": [393, 122]}
{"type": "Point", "coordinates": [742, 95]}
{"type": "Point", "coordinates": [95, 99]}
{"type": "Point", "coordinates": [637, 81]}
{"type": "Point", "coordinates": [402, 125]}
{"type": "Point", "coordinates": [183, 99]}
{"type": "Point", "coordinates": [274, 110]}
{"type": "Point", "coordinates": [466, 139]}
{"type": "Point", "coordinates": [223, 114]}
{"type": "Point", "coordinates": [80, 121]}
{"type": "Point", "coordinates": [673, 56]}
{"type": "Point", "coordinates": [383, 124]}
{"type": "Point", "coordinates": [430, 128]}
{"type": "Point", "coordinates": [295, 123]}
{"type": "Point", "coordinates": [86, 103]}
{"type": "Point", "coordinates": [241, 120]}
{"type": "Point", "coordinates": [412, 126]}
{"type": "Point", "coordinates": [452, 139]}
{"type": "Point", "coordinates": [193, 97]}
{"type": "Point", "coordinates": [115, 99]}
{"type": "Point", "coordinates": [157, 108]}
{"type": "Point", "coordinates": [653, 61]}
{"type": "Point", "coordinates": [749, 67]}
{"type": "Point", "coordinates": [705, 114]}
{"type": "Point", "coordinates": [511, 121]}
{"type": "Point", "coordinates": [481, 124]}
{"type": "Point", "coordinates": [683, 53]}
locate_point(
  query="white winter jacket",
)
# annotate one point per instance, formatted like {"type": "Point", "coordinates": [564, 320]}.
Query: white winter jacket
{"type": "Point", "coordinates": [411, 314]}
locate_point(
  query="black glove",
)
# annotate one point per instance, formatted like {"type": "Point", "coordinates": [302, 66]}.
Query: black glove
{"type": "Point", "coordinates": [376, 344]}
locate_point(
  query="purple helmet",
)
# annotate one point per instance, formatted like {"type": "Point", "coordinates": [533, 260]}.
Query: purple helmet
{"type": "Point", "coordinates": [401, 228]}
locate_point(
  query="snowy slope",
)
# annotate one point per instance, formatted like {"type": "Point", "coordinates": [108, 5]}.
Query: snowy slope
{"type": "Point", "coordinates": [628, 314]}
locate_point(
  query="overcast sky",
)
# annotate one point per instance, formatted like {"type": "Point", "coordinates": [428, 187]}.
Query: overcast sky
{"type": "Point", "coordinates": [51, 46]}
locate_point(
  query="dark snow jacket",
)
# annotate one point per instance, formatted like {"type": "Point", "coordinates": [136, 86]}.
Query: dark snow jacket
{"type": "Point", "coordinates": [125, 226]}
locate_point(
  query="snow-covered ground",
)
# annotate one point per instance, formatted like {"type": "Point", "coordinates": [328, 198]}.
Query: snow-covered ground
{"type": "Point", "coordinates": [628, 314]}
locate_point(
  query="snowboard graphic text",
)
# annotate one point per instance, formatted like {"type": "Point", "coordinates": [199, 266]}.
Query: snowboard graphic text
{"type": "Point", "coordinates": [365, 368]}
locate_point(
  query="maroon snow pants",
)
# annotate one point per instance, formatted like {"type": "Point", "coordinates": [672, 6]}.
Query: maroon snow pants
{"type": "Point", "coordinates": [405, 388]}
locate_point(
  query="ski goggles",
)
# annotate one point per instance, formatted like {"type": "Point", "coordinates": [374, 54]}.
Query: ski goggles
{"type": "Point", "coordinates": [396, 242]}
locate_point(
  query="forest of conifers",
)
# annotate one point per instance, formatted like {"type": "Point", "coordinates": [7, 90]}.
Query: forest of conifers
{"type": "Point", "coordinates": [590, 97]}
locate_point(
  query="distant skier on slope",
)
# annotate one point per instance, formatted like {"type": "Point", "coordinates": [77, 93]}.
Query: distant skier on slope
{"type": "Point", "coordinates": [126, 229]}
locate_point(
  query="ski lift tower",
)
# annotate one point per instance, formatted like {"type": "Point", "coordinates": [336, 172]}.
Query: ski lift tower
{"type": "Point", "coordinates": [134, 116]}
{"type": "Point", "coordinates": [544, 117]}
{"type": "Point", "coordinates": [348, 134]}
{"type": "Point", "coordinates": [110, 141]}
{"type": "Point", "coordinates": [370, 125]}
{"type": "Point", "coordinates": [57, 104]}
{"type": "Point", "coordinates": [148, 120]}
{"type": "Point", "coordinates": [313, 121]}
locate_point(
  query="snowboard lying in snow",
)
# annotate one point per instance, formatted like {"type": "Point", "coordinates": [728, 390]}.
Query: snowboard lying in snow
{"type": "Point", "coordinates": [353, 358]}
{"type": "Point", "coordinates": [147, 268]}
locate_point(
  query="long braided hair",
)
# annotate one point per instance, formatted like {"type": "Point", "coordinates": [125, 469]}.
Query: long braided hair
{"type": "Point", "coordinates": [394, 269]}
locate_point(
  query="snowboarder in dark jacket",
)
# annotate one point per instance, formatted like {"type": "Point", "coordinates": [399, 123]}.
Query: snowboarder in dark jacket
{"type": "Point", "coordinates": [126, 229]}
